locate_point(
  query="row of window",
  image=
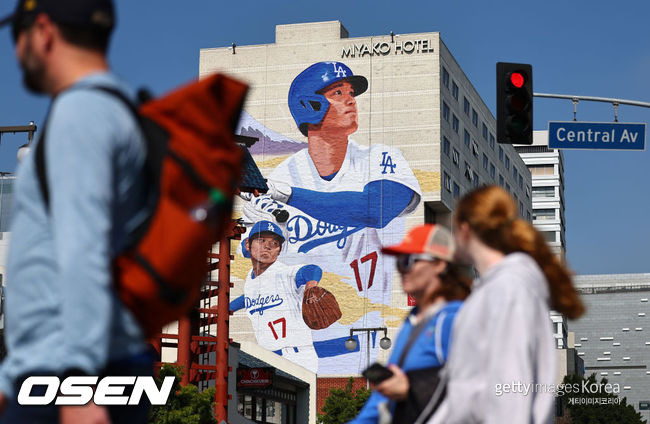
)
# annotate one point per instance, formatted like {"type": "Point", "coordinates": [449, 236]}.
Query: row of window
{"type": "Point", "coordinates": [471, 144]}
{"type": "Point", "coordinates": [487, 164]}
{"type": "Point", "coordinates": [473, 176]}
{"type": "Point", "coordinates": [466, 109]}
{"type": "Point", "coordinates": [455, 125]}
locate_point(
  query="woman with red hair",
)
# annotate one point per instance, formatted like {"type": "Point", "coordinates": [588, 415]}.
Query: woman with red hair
{"type": "Point", "coordinates": [501, 366]}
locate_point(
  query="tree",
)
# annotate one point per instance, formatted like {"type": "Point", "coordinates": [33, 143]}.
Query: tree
{"type": "Point", "coordinates": [590, 402]}
{"type": "Point", "coordinates": [342, 405]}
{"type": "Point", "coordinates": [186, 405]}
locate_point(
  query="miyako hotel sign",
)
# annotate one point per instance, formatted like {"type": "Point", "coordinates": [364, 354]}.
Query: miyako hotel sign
{"type": "Point", "coordinates": [384, 48]}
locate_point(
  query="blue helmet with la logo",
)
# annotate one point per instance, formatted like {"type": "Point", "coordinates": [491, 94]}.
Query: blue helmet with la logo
{"type": "Point", "coordinates": [258, 229]}
{"type": "Point", "coordinates": [306, 103]}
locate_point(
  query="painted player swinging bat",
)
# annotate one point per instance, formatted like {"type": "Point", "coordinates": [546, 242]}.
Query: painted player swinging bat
{"type": "Point", "coordinates": [344, 199]}
{"type": "Point", "coordinates": [284, 302]}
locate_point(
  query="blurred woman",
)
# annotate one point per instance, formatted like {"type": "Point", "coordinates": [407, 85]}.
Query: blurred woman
{"type": "Point", "coordinates": [502, 360]}
{"type": "Point", "coordinates": [424, 260]}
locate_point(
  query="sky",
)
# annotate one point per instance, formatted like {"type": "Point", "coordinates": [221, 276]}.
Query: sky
{"type": "Point", "coordinates": [582, 47]}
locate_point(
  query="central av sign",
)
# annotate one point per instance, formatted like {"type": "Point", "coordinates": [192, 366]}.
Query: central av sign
{"type": "Point", "coordinates": [384, 48]}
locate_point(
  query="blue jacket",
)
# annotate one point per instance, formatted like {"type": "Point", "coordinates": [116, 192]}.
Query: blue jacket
{"type": "Point", "coordinates": [429, 350]}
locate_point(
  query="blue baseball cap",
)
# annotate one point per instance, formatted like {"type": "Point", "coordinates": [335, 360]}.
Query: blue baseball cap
{"type": "Point", "coordinates": [266, 227]}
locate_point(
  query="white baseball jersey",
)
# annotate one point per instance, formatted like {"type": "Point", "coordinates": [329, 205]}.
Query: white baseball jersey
{"type": "Point", "coordinates": [352, 252]}
{"type": "Point", "coordinates": [274, 305]}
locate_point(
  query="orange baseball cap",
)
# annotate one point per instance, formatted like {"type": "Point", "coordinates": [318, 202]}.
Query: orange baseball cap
{"type": "Point", "coordinates": [433, 239]}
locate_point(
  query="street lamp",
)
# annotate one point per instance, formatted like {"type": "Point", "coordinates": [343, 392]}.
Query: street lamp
{"type": "Point", "coordinates": [384, 343]}
{"type": "Point", "coordinates": [29, 129]}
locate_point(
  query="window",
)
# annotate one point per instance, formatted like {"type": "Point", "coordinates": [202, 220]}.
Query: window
{"type": "Point", "coordinates": [492, 170]}
{"type": "Point", "coordinates": [485, 132]}
{"type": "Point", "coordinates": [492, 141]}
{"type": "Point", "coordinates": [541, 170]}
{"type": "Point", "coordinates": [454, 90]}
{"type": "Point", "coordinates": [528, 192]}
{"type": "Point", "coordinates": [454, 123]}
{"type": "Point", "coordinates": [445, 77]}
{"type": "Point", "coordinates": [543, 192]}
{"type": "Point", "coordinates": [456, 191]}
{"type": "Point", "coordinates": [445, 111]}
{"type": "Point", "coordinates": [515, 174]}
{"type": "Point", "coordinates": [468, 171]}
{"type": "Point", "coordinates": [456, 157]}
{"type": "Point", "coordinates": [507, 163]}
{"type": "Point", "coordinates": [544, 214]}
{"type": "Point", "coordinates": [521, 183]}
{"type": "Point", "coordinates": [447, 179]}
{"type": "Point", "coordinates": [508, 187]}
{"type": "Point", "coordinates": [474, 148]}
{"type": "Point", "coordinates": [474, 118]}
{"type": "Point", "coordinates": [521, 209]}
{"type": "Point", "coordinates": [528, 215]}
{"type": "Point", "coordinates": [485, 162]}
{"type": "Point", "coordinates": [466, 106]}
{"type": "Point", "coordinates": [501, 180]}
{"type": "Point", "coordinates": [501, 153]}
{"type": "Point", "coordinates": [446, 146]}
{"type": "Point", "coordinates": [466, 138]}
{"type": "Point", "coordinates": [475, 180]}
{"type": "Point", "coordinates": [516, 198]}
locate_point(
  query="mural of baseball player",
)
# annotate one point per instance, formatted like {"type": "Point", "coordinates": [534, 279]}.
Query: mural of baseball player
{"type": "Point", "coordinates": [283, 302]}
{"type": "Point", "coordinates": [344, 200]}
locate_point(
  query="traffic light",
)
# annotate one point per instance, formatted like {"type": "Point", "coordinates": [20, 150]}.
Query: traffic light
{"type": "Point", "coordinates": [514, 103]}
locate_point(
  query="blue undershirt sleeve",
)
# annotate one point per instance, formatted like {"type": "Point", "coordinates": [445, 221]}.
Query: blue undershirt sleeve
{"type": "Point", "coordinates": [375, 206]}
{"type": "Point", "coordinates": [237, 303]}
{"type": "Point", "coordinates": [308, 273]}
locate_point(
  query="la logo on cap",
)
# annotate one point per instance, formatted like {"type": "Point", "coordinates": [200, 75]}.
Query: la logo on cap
{"type": "Point", "coordinates": [30, 5]}
{"type": "Point", "coordinates": [271, 227]}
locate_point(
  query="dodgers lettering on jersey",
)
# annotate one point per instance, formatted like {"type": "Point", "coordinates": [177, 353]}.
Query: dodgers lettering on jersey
{"type": "Point", "coordinates": [274, 305]}
{"type": "Point", "coordinates": [349, 251]}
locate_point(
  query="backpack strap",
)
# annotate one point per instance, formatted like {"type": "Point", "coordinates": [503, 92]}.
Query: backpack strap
{"type": "Point", "coordinates": [39, 154]}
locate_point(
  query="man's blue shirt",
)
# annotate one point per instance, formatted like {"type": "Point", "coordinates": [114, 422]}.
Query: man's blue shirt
{"type": "Point", "coordinates": [62, 311]}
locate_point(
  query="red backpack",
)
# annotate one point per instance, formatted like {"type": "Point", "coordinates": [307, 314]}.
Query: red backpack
{"type": "Point", "coordinates": [194, 166]}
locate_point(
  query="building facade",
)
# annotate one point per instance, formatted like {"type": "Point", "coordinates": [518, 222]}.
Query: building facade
{"type": "Point", "coordinates": [6, 204]}
{"type": "Point", "coordinates": [612, 337]}
{"type": "Point", "coordinates": [422, 130]}
{"type": "Point", "coordinates": [546, 167]}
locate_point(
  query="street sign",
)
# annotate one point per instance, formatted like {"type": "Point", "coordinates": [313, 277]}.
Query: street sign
{"type": "Point", "coordinates": [596, 135]}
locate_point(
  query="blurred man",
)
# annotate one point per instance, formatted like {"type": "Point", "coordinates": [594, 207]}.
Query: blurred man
{"type": "Point", "coordinates": [63, 316]}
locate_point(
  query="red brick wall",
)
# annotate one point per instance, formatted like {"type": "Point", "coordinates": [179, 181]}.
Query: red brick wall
{"type": "Point", "coordinates": [324, 384]}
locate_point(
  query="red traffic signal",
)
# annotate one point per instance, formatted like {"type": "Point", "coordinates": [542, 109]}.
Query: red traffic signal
{"type": "Point", "coordinates": [514, 103]}
{"type": "Point", "coordinates": [517, 79]}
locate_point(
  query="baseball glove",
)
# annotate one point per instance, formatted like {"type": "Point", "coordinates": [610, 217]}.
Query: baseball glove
{"type": "Point", "coordinates": [319, 308]}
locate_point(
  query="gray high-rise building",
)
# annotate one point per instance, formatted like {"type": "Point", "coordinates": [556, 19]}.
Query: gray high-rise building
{"type": "Point", "coordinates": [612, 337]}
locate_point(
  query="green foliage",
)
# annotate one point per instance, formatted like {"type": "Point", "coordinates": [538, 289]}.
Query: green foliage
{"type": "Point", "coordinates": [342, 405]}
{"type": "Point", "coordinates": [186, 405]}
{"type": "Point", "coordinates": [606, 407]}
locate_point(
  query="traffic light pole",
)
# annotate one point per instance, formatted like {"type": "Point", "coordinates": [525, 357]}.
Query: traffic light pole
{"type": "Point", "coordinates": [594, 99]}
{"type": "Point", "coordinates": [576, 99]}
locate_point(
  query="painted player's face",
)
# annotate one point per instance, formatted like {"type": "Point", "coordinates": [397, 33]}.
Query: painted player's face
{"type": "Point", "coordinates": [265, 248]}
{"type": "Point", "coordinates": [342, 113]}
